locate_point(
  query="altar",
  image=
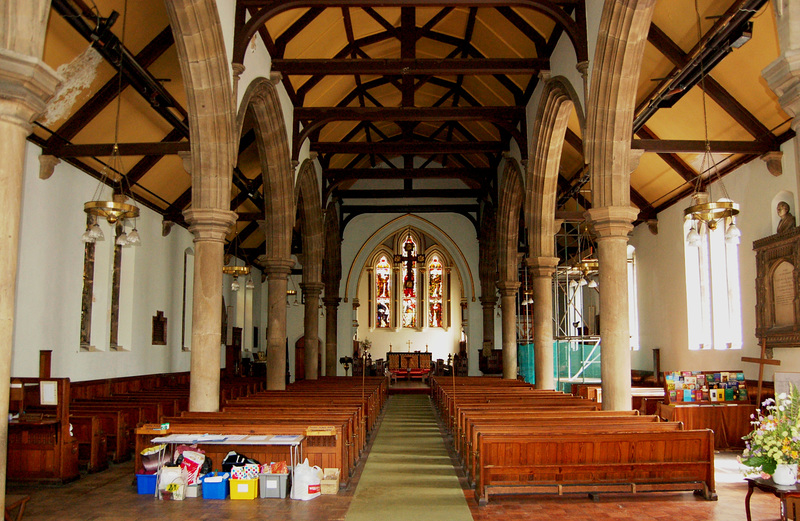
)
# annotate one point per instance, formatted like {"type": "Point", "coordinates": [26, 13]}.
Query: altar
{"type": "Point", "coordinates": [409, 365]}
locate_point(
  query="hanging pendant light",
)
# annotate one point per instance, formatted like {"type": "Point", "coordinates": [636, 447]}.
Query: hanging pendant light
{"type": "Point", "coordinates": [114, 209]}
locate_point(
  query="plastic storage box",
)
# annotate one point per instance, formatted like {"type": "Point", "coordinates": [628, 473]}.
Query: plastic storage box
{"type": "Point", "coordinates": [146, 483]}
{"type": "Point", "coordinates": [272, 485]}
{"type": "Point", "coordinates": [244, 488]}
{"type": "Point", "coordinates": [215, 489]}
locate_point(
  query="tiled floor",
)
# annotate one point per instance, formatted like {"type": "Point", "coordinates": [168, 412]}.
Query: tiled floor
{"type": "Point", "coordinates": [111, 495]}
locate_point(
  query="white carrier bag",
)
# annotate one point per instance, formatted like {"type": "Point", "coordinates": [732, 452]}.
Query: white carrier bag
{"type": "Point", "coordinates": [306, 481]}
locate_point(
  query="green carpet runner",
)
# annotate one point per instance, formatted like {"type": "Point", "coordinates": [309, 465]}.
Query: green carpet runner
{"type": "Point", "coordinates": [408, 474]}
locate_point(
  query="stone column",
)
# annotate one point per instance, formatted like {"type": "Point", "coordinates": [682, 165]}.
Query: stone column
{"type": "Point", "coordinates": [508, 301]}
{"type": "Point", "coordinates": [331, 334]}
{"type": "Point", "coordinates": [26, 84]}
{"type": "Point", "coordinates": [311, 293]}
{"type": "Point", "coordinates": [277, 273]}
{"type": "Point", "coordinates": [541, 270]}
{"type": "Point", "coordinates": [209, 226]}
{"type": "Point", "coordinates": [488, 304]}
{"type": "Point", "coordinates": [612, 225]}
{"type": "Point", "coordinates": [783, 74]}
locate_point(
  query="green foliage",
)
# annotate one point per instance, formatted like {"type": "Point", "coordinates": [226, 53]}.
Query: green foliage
{"type": "Point", "coordinates": [776, 435]}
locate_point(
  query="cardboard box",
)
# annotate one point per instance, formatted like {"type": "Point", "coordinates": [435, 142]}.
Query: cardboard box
{"type": "Point", "coordinates": [244, 488]}
{"type": "Point", "coordinates": [146, 483]}
{"type": "Point", "coordinates": [330, 481]}
{"type": "Point", "coordinates": [272, 485]}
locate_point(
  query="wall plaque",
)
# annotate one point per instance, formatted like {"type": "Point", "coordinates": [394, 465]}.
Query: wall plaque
{"type": "Point", "coordinates": [778, 289]}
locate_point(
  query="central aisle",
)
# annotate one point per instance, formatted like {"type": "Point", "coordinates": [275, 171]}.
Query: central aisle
{"type": "Point", "coordinates": [408, 474]}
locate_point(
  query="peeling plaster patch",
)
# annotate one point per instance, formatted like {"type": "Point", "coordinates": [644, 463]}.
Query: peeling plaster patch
{"type": "Point", "coordinates": [78, 75]}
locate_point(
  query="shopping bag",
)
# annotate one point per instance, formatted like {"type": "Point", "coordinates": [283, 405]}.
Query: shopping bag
{"type": "Point", "coordinates": [306, 484]}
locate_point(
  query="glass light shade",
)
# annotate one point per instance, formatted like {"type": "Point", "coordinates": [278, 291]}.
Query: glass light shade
{"type": "Point", "coordinates": [732, 234]}
{"type": "Point", "coordinates": [592, 283]}
{"type": "Point", "coordinates": [249, 284]}
{"type": "Point", "coordinates": [693, 238]}
{"type": "Point", "coordinates": [122, 239]}
{"type": "Point", "coordinates": [573, 283]}
{"type": "Point", "coordinates": [87, 237]}
{"type": "Point", "coordinates": [235, 284]}
{"type": "Point", "coordinates": [582, 282]}
{"type": "Point", "coordinates": [96, 233]}
{"type": "Point", "coordinates": [133, 238]}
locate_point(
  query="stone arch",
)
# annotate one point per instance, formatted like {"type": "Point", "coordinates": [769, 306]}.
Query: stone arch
{"type": "Point", "coordinates": [207, 81]}
{"type": "Point", "coordinates": [307, 199]}
{"type": "Point", "coordinates": [508, 211]}
{"type": "Point", "coordinates": [332, 258]}
{"type": "Point", "coordinates": [211, 108]}
{"type": "Point", "coordinates": [612, 98]}
{"type": "Point", "coordinates": [556, 104]}
{"type": "Point", "coordinates": [262, 101]}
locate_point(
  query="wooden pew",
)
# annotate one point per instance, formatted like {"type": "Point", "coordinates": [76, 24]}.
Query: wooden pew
{"type": "Point", "coordinates": [566, 462]}
{"type": "Point", "coordinates": [91, 441]}
{"type": "Point", "coordinates": [40, 446]}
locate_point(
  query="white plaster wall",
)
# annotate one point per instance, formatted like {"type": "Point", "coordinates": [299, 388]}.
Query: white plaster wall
{"type": "Point", "coordinates": [49, 284]}
{"type": "Point", "coordinates": [227, 15]}
{"type": "Point", "coordinates": [662, 281]}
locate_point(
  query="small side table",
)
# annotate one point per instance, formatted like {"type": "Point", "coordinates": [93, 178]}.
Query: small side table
{"type": "Point", "coordinates": [767, 485]}
{"type": "Point", "coordinates": [18, 502]}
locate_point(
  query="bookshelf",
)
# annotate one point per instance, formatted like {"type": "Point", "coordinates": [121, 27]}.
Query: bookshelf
{"type": "Point", "coordinates": [705, 387]}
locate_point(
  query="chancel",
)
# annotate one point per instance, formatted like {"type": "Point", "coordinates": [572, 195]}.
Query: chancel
{"type": "Point", "coordinates": [575, 219]}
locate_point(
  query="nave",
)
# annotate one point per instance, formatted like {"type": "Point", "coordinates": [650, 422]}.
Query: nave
{"type": "Point", "coordinates": [411, 438]}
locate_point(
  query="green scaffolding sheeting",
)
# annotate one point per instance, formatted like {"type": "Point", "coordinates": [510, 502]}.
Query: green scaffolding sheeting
{"type": "Point", "coordinates": [575, 361]}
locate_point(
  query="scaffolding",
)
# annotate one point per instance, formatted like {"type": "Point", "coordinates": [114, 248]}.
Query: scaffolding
{"type": "Point", "coordinates": [575, 305]}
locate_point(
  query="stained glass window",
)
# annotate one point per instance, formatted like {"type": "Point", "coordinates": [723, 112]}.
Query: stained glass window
{"type": "Point", "coordinates": [435, 283]}
{"type": "Point", "coordinates": [409, 318]}
{"type": "Point", "coordinates": [383, 292]}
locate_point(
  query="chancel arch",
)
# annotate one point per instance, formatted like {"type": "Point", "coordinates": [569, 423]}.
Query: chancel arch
{"type": "Point", "coordinates": [379, 276]}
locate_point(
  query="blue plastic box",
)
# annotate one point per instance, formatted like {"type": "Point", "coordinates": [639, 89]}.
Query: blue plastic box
{"type": "Point", "coordinates": [213, 490]}
{"type": "Point", "coordinates": [146, 483]}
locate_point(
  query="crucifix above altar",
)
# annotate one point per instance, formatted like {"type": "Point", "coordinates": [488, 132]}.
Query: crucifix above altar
{"type": "Point", "coordinates": [409, 259]}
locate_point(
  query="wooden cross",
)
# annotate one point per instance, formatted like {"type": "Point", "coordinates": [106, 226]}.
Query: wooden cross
{"type": "Point", "coordinates": [763, 360]}
{"type": "Point", "coordinates": [409, 345]}
{"type": "Point", "coordinates": [408, 281]}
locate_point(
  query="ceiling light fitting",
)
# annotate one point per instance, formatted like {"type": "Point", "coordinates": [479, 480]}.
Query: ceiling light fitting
{"type": "Point", "coordinates": [705, 213]}
{"type": "Point", "coordinates": [114, 210]}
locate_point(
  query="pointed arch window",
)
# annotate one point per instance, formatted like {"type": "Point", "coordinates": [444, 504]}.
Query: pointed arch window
{"type": "Point", "coordinates": [409, 300]}
{"type": "Point", "coordinates": [435, 293]}
{"type": "Point", "coordinates": [383, 292]}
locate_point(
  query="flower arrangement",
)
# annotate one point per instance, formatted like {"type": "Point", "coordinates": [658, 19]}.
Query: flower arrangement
{"type": "Point", "coordinates": [776, 435]}
{"type": "Point", "coordinates": [366, 344]}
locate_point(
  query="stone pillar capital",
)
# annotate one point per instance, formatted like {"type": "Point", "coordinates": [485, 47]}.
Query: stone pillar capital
{"type": "Point", "coordinates": [331, 301]}
{"type": "Point", "coordinates": [312, 289]}
{"type": "Point", "coordinates": [489, 301]}
{"type": "Point", "coordinates": [612, 221]}
{"type": "Point", "coordinates": [278, 268]}
{"type": "Point", "coordinates": [26, 84]}
{"type": "Point", "coordinates": [508, 288]}
{"type": "Point", "coordinates": [542, 266]}
{"type": "Point", "coordinates": [209, 224]}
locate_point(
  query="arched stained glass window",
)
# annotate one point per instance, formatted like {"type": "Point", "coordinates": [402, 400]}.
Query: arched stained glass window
{"type": "Point", "coordinates": [383, 292]}
{"type": "Point", "coordinates": [435, 285]}
{"type": "Point", "coordinates": [409, 303]}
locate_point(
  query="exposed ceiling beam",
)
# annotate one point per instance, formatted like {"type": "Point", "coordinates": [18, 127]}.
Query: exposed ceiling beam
{"type": "Point", "coordinates": [715, 91]}
{"type": "Point", "coordinates": [410, 208]}
{"type": "Point", "coordinates": [161, 148]}
{"type": "Point", "coordinates": [342, 174]}
{"type": "Point", "coordinates": [673, 160]}
{"type": "Point", "coordinates": [407, 194]}
{"type": "Point", "coordinates": [412, 67]}
{"type": "Point", "coordinates": [147, 162]}
{"type": "Point", "coordinates": [413, 147]}
{"type": "Point", "coordinates": [108, 92]}
{"type": "Point", "coordinates": [677, 146]}
{"type": "Point", "coordinates": [410, 113]}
